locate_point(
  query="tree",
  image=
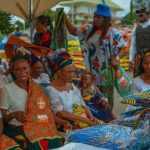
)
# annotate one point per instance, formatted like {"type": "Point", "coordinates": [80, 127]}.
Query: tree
{"type": "Point", "coordinates": [103, 1]}
{"type": "Point", "coordinates": [19, 24]}
{"type": "Point", "coordinates": [6, 26]}
{"type": "Point", "coordinates": [50, 13]}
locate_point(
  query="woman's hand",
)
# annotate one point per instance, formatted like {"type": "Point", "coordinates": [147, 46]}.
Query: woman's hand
{"type": "Point", "coordinates": [131, 66]}
{"type": "Point", "coordinates": [66, 124]}
{"type": "Point", "coordinates": [93, 122]}
{"type": "Point", "coordinates": [115, 63]}
{"type": "Point", "coordinates": [19, 116]}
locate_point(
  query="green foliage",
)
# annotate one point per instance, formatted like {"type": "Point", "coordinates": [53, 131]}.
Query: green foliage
{"type": "Point", "coordinates": [50, 13]}
{"type": "Point", "coordinates": [130, 18]}
{"type": "Point", "coordinates": [19, 24]}
{"type": "Point", "coordinates": [6, 26]}
{"type": "Point", "coordinates": [103, 2]}
{"type": "Point", "coordinates": [131, 15]}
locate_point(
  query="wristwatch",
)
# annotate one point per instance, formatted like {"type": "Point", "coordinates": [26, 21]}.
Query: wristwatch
{"type": "Point", "coordinates": [117, 58]}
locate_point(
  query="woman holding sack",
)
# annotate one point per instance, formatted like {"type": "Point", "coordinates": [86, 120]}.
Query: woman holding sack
{"type": "Point", "coordinates": [102, 47]}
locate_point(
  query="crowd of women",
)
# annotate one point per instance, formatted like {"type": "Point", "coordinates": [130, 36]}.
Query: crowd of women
{"type": "Point", "coordinates": [36, 106]}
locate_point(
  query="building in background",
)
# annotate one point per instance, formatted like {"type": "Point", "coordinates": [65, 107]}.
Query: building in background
{"type": "Point", "coordinates": [81, 11]}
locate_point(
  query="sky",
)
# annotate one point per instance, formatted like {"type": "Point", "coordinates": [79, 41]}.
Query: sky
{"type": "Point", "coordinates": [125, 4]}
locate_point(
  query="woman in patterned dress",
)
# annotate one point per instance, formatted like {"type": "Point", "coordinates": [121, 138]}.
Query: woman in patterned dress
{"type": "Point", "coordinates": [102, 47]}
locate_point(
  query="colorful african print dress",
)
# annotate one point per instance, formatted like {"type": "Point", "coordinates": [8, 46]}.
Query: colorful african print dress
{"type": "Point", "coordinates": [97, 56]}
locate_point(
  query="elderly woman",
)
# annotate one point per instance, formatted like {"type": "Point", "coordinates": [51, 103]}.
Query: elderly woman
{"type": "Point", "coordinates": [26, 111]}
{"type": "Point", "coordinates": [102, 47]}
{"type": "Point", "coordinates": [66, 99]}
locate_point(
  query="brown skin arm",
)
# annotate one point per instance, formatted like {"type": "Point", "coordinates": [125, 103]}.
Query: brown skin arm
{"type": "Point", "coordinates": [62, 122]}
{"type": "Point", "coordinates": [66, 115]}
{"type": "Point", "coordinates": [90, 116]}
{"type": "Point", "coordinates": [97, 89]}
{"type": "Point", "coordinates": [71, 28]}
{"type": "Point", "coordinates": [1, 126]}
{"type": "Point", "coordinates": [6, 118]}
{"type": "Point", "coordinates": [18, 115]}
{"type": "Point", "coordinates": [88, 113]}
{"type": "Point", "coordinates": [121, 53]}
{"type": "Point", "coordinates": [131, 66]}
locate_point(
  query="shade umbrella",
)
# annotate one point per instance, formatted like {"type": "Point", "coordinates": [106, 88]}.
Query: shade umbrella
{"type": "Point", "coordinates": [27, 9]}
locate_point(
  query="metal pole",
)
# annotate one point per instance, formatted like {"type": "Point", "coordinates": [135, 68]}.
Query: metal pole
{"type": "Point", "coordinates": [72, 11]}
{"type": "Point", "coordinates": [30, 18]}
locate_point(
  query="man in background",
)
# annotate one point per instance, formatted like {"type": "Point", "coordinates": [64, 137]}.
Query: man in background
{"type": "Point", "coordinates": [140, 39]}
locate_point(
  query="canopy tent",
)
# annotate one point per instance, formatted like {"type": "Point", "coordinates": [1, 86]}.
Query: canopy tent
{"type": "Point", "coordinates": [26, 9]}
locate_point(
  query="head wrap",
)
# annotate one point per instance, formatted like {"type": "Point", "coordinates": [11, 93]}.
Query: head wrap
{"type": "Point", "coordinates": [60, 61]}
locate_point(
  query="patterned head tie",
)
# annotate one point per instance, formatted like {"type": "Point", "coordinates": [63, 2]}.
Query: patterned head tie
{"type": "Point", "coordinates": [60, 61]}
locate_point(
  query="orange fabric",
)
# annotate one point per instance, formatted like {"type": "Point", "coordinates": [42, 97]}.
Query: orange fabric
{"type": "Point", "coordinates": [6, 143]}
{"type": "Point", "coordinates": [38, 105]}
{"type": "Point", "coordinates": [34, 49]}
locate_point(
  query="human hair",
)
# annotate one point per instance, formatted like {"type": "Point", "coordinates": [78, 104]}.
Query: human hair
{"type": "Point", "coordinates": [35, 59]}
{"type": "Point", "coordinates": [14, 60]}
{"type": "Point", "coordinates": [146, 53]}
{"type": "Point", "coordinates": [45, 20]}
{"type": "Point", "coordinates": [88, 73]}
{"type": "Point", "coordinates": [19, 58]}
{"type": "Point", "coordinates": [17, 28]}
{"type": "Point", "coordinates": [105, 27]}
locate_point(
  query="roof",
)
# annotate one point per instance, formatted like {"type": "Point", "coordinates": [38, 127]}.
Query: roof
{"type": "Point", "coordinates": [113, 6]}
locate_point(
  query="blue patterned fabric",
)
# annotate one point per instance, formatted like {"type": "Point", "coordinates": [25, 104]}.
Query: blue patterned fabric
{"type": "Point", "coordinates": [140, 138]}
{"type": "Point", "coordinates": [103, 136]}
{"type": "Point", "coordinates": [139, 99]}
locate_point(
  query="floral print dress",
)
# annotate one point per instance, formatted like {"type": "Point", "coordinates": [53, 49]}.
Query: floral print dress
{"type": "Point", "coordinates": [97, 55]}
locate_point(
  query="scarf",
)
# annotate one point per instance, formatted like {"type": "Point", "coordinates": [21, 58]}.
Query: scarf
{"type": "Point", "coordinates": [39, 115]}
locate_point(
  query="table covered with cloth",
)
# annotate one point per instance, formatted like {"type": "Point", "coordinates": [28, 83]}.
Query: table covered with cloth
{"type": "Point", "coordinates": [109, 136]}
{"type": "Point", "coordinates": [113, 136]}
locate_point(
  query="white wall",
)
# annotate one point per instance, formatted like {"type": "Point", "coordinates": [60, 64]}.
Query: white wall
{"type": "Point", "coordinates": [85, 9]}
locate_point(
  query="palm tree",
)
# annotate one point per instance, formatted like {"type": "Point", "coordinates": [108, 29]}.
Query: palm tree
{"type": "Point", "coordinates": [103, 2]}
{"type": "Point", "coordinates": [132, 14]}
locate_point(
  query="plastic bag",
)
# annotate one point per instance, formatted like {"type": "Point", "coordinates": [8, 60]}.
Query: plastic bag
{"type": "Point", "coordinates": [122, 81]}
